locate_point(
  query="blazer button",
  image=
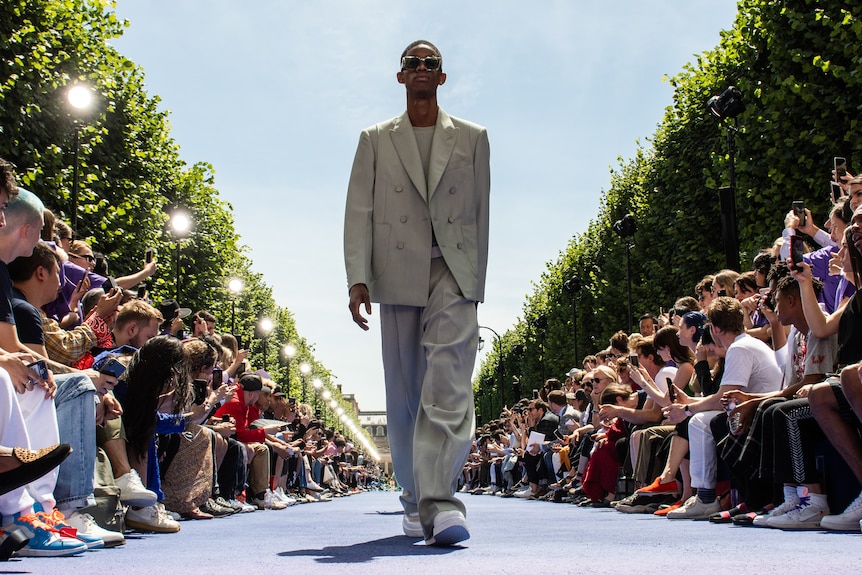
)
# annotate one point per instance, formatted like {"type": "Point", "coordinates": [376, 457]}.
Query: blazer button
{"type": "Point", "coordinates": [460, 245]}
{"type": "Point", "coordinates": [451, 219]}
{"type": "Point", "coordinates": [451, 190]}
{"type": "Point", "coordinates": [398, 188]}
{"type": "Point", "coordinates": [400, 245]}
{"type": "Point", "coordinates": [403, 219]}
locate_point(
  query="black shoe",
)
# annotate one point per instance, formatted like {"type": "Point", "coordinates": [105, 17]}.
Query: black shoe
{"type": "Point", "coordinates": [34, 464]}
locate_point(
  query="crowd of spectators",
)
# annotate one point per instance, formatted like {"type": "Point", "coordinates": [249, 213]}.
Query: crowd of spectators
{"type": "Point", "coordinates": [730, 407]}
{"type": "Point", "coordinates": [154, 415]}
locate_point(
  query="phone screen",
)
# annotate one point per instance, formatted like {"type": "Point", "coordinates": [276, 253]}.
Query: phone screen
{"type": "Point", "coordinates": [837, 192]}
{"type": "Point", "coordinates": [840, 165]}
{"type": "Point", "coordinates": [797, 248]}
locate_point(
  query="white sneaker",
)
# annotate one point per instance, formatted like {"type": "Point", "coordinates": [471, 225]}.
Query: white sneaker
{"type": "Point", "coordinates": [133, 492]}
{"type": "Point", "coordinates": [787, 506]}
{"type": "Point", "coordinates": [280, 495]}
{"type": "Point", "coordinates": [694, 508]}
{"type": "Point", "coordinates": [86, 525]}
{"type": "Point", "coordinates": [850, 520]}
{"type": "Point", "coordinates": [151, 518]}
{"type": "Point", "coordinates": [167, 513]}
{"type": "Point", "coordinates": [411, 526]}
{"type": "Point", "coordinates": [806, 515]}
{"type": "Point", "coordinates": [450, 527]}
{"type": "Point", "coordinates": [524, 493]}
{"type": "Point", "coordinates": [244, 507]}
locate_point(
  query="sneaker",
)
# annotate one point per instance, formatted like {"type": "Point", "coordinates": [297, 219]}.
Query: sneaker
{"type": "Point", "coordinates": [524, 493]}
{"type": "Point", "coordinates": [225, 503]}
{"type": "Point", "coordinates": [243, 507]}
{"type": "Point", "coordinates": [411, 526]}
{"type": "Point", "coordinates": [282, 496]}
{"type": "Point", "coordinates": [450, 527]}
{"type": "Point", "coordinates": [663, 511]}
{"type": "Point", "coordinates": [788, 505]}
{"type": "Point", "coordinates": [806, 515]}
{"type": "Point", "coordinates": [847, 521]}
{"type": "Point", "coordinates": [694, 508]}
{"type": "Point", "coordinates": [133, 492]}
{"type": "Point", "coordinates": [644, 504]}
{"type": "Point", "coordinates": [216, 510]}
{"type": "Point", "coordinates": [56, 520]}
{"type": "Point", "coordinates": [45, 541]}
{"type": "Point", "coordinates": [151, 518]}
{"type": "Point", "coordinates": [86, 525]}
{"type": "Point", "coordinates": [656, 488]}
{"type": "Point", "coordinates": [268, 502]}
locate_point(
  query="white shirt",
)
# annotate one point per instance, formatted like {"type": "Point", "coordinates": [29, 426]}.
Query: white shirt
{"type": "Point", "coordinates": [750, 364]}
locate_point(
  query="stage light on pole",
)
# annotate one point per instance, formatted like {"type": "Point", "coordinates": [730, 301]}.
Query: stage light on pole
{"type": "Point", "coordinates": [180, 226]}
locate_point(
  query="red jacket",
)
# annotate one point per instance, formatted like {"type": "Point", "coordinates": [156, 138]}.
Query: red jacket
{"type": "Point", "coordinates": [243, 415]}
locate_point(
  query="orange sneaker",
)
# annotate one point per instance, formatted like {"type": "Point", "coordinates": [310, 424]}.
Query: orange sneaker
{"type": "Point", "coordinates": [656, 488]}
{"type": "Point", "coordinates": [668, 509]}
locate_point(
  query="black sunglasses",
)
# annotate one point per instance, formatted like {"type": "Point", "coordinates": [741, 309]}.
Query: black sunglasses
{"type": "Point", "coordinates": [412, 62]}
{"type": "Point", "coordinates": [87, 257]}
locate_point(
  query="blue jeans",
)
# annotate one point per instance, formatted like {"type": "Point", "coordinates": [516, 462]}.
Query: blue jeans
{"type": "Point", "coordinates": [75, 402]}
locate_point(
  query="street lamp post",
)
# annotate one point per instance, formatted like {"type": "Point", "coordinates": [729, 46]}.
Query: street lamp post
{"type": "Point", "coordinates": [317, 384]}
{"type": "Point", "coordinates": [498, 346]}
{"type": "Point", "coordinates": [79, 97]}
{"type": "Point", "coordinates": [304, 370]}
{"type": "Point", "coordinates": [234, 287]}
{"type": "Point", "coordinates": [288, 352]}
{"type": "Point", "coordinates": [264, 329]}
{"type": "Point", "coordinates": [180, 226]}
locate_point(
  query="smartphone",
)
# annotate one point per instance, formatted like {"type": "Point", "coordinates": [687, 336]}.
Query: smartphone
{"type": "Point", "coordinates": [535, 394]}
{"type": "Point", "coordinates": [199, 388]}
{"type": "Point", "coordinates": [799, 210]}
{"type": "Point", "coordinates": [837, 192]}
{"type": "Point", "coordinates": [109, 284]}
{"type": "Point", "coordinates": [797, 248]}
{"type": "Point", "coordinates": [558, 435]}
{"type": "Point", "coordinates": [40, 368]}
{"type": "Point", "coordinates": [142, 291]}
{"type": "Point", "coordinates": [113, 368]}
{"type": "Point", "coordinates": [283, 427]}
{"type": "Point", "coordinates": [840, 165]}
{"type": "Point", "coordinates": [148, 255]}
{"type": "Point", "coordinates": [238, 339]}
{"type": "Point", "coordinates": [217, 378]}
{"type": "Point", "coordinates": [671, 390]}
{"type": "Point", "coordinates": [634, 361]}
{"type": "Point", "coordinates": [225, 418]}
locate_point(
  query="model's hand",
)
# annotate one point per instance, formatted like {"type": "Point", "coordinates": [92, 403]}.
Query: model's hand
{"type": "Point", "coordinates": [359, 296]}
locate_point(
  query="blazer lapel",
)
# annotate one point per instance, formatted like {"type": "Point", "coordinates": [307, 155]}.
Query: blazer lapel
{"type": "Point", "coordinates": [442, 145]}
{"type": "Point", "coordinates": [408, 152]}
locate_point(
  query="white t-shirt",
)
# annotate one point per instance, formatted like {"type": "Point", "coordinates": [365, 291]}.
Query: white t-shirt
{"type": "Point", "coordinates": [660, 378]}
{"type": "Point", "coordinates": [751, 365]}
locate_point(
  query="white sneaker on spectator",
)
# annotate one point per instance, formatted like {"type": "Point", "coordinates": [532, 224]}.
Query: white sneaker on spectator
{"type": "Point", "coordinates": [133, 492]}
{"type": "Point", "coordinates": [86, 525]}
{"type": "Point", "coordinates": [151, 518]}
{"type": "Point", "coordinates": [243, 507]}
{"type": "Point", "coordinates": [411, 526]}
{"type": "Point", "coordinates": [280, 495]}
{"type": "Point", "coordinates": [524, 493]}
{"type": "Point", "coordinates": [167, 513]}
{"type": "Point", "coordinates": [806, 515]}
{"type": "Point", "coordinates": [787, 506]}
{"type": "Point", "coordinates": [847, 521]}
{"type": "Point", "coordinates": [694, 508]}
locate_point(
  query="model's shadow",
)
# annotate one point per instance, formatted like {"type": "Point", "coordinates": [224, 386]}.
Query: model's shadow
{"type": "Point", "coordinates": [397, 546]}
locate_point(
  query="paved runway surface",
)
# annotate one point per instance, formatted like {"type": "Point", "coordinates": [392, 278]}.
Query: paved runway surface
{"type": "Point", "coordinates": [361, 535]}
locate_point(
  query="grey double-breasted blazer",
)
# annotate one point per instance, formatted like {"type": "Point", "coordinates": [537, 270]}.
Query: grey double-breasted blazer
{"type": "Point", "coordinates": [391, 210]}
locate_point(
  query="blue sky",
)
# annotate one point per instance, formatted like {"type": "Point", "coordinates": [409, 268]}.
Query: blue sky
{"type": "Point", "coordinates": [275, 93]}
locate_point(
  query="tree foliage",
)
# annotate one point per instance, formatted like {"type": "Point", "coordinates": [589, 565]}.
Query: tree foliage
{"type": "Point", "coordinates": [798, 66]}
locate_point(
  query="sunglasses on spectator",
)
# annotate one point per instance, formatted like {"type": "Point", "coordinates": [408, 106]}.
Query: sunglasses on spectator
{"type": "Point", "coordinates": [722, 292]}
{"type": "Point", "coordinates": [412, 62]}
{"type": "Point", "coordinates": [597, 380]}
{"type": "Point", "coordinates": [87, 257]}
